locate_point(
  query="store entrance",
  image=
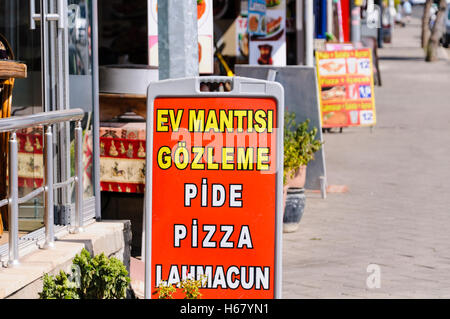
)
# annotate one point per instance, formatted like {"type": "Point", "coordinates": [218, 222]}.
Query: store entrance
{"type": "Point", "coordinates": [54, 39]}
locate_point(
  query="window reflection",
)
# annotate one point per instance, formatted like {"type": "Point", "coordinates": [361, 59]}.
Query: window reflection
{"type": "Point", "coordinates": [123, 32]}
{"type": "Point", "coordinates": [79, 29]}
{"type": "Point", "coordinates": [31, 176]}
{"type": "Point", "coordinates": [80, 70]}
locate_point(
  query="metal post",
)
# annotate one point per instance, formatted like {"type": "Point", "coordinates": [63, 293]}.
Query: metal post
{"type": "Point", "coordinates": [177, 39]}
{"type": "Point", "coordinates": [340, 22]}
{"type": "Point", "coordinates": [356, 22]}
{"type": "Point", "coordinates": [330, 16]}
{"type": "Point", "coordinates": [13, 207]}
{"type": "Point", "coordinates": [309, 33]}
{"type": "Point", "coordinates": [32, 15]}
{"type": "Point", "coordinates": [62, 169]}
{"type": "Point", "coordinates": [147, 218]}
{"type": "Point", "coordinates": [78, 178]}
{"type": "Point", "coordinates": [300, 31]}
{"type": "Point", "coordinates": [62, 5]}
{"type": "Point", "coordinates": [48, 206]}
{"type": "Point", "coordinates": [66, 92]}
{"type": "Point", "coordinates": [44, 56]}
{"type": "Point", "coordinates": [380, 28]}
{"type": "Point", "coordinates": [178, 58]}
{"type": "Point", "coordinates": [323, 187]}
{"type": "Point", "coordinates": [95, 110]}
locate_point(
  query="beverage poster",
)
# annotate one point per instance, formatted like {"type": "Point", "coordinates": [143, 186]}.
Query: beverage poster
{"type": "Point", "coordinates": [345, 81]}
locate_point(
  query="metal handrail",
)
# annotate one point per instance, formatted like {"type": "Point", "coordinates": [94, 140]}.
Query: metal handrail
{"type": "Point", "coordinates": [46, 119]}
{"type": "Point", "coordinates": [31, 195]}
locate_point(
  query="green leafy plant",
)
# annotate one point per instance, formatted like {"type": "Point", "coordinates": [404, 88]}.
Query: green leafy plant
{"type": "Point", "coordinates": [59, 287]}
{"type": "Point", "coordinates": [300, 144]}
{"type": "Point", "coordinates": [96, 277]}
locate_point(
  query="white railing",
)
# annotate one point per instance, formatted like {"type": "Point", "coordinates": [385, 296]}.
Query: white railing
{"type": "Point", "coordinates": [46, 120]}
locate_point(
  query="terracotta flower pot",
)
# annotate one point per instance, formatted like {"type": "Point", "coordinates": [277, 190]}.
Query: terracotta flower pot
{"type": "Point", "coordinates": [296, 181]}
{"type": "Point", "coordinates": [299, 178]}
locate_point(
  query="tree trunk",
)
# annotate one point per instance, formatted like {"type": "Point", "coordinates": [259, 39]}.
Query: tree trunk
{"type": "Point", "coordinates": [426, 23]}
{"type": "Point", "coordinates": [436, 33]}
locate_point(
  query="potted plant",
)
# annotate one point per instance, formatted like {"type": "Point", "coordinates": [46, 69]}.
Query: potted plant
{"type": "Point", "coordinates": [300, 144]}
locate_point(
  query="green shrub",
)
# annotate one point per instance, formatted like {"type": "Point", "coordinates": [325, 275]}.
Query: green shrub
{"type": "Point", "coordinates": [300, 144]}
{"type": "Point", "coordinates": [92, 278]}
{"type": "Point", "coordinates": [59, 287]}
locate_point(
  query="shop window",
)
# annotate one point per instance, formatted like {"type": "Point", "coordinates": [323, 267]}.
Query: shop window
{"type": "Point", "coordinates": [122, 32]}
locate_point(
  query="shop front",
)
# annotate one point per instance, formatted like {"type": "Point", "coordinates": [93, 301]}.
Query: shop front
{"type": "Point", "coordinates": [104, 68]}
{"type": "Point", "coordinates": [56, 41]}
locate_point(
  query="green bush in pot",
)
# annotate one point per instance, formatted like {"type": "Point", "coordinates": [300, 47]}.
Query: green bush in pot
{"type": "Point", "coordinates": [300, 144]}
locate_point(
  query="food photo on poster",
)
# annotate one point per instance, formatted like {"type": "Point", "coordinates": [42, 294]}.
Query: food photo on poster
{"type": "Point", "coordinates": [270, 48]}
{"type": "Point", "coordinates": [257, 17]}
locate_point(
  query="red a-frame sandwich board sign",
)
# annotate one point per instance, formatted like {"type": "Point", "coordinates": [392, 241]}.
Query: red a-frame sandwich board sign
{"type": "Point", "coordinates": [214, 177]}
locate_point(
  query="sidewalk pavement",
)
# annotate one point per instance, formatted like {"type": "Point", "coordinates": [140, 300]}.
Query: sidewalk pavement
{"type": "Point", "coordinates": [396, 213]}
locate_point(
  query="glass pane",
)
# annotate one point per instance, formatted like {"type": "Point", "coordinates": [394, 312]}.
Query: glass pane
{"type": "Point", "coordinates": [25, 94]}
{"type": "Point", "coordinates": [80, 80]}
{"type": "Point", "coordinates": [31, 176]}
{"type": "Point", "coordinates": [25, 44]}
{"type": "Point", "coordinates": [122, 31]}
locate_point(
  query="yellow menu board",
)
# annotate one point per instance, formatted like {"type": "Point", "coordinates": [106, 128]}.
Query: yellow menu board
{"type": "Point", "coordinates": [346, 88]}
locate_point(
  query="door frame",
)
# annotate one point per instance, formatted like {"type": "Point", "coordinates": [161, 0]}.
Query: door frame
{"type": "Point", "coordinates": [55, 84]}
